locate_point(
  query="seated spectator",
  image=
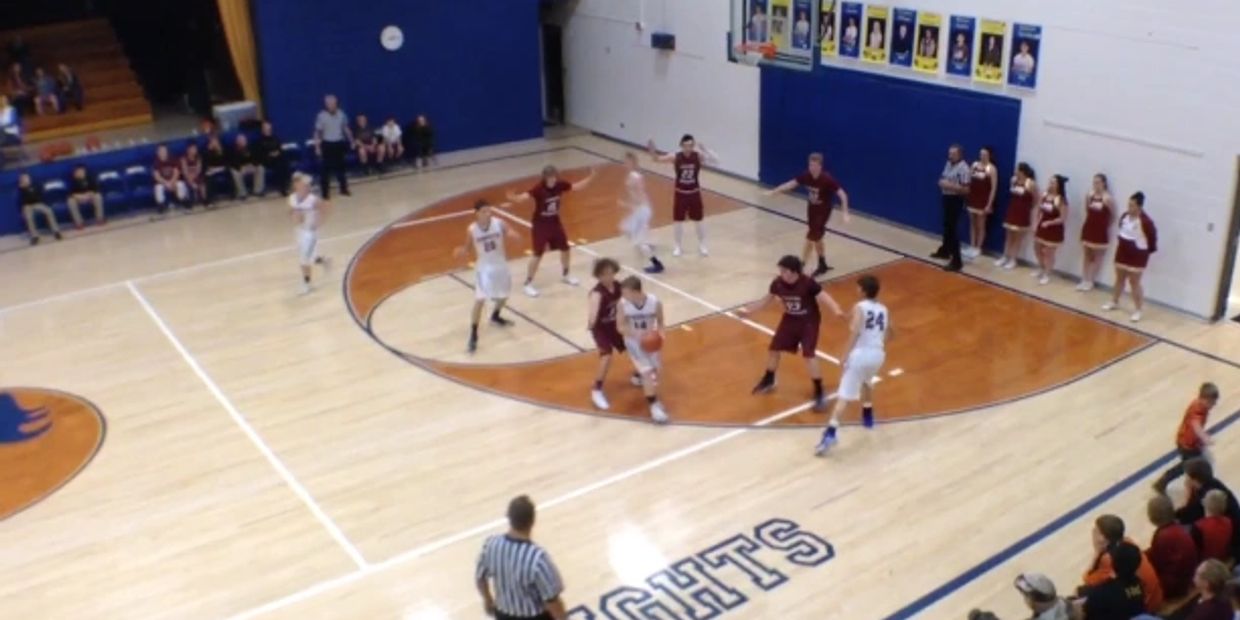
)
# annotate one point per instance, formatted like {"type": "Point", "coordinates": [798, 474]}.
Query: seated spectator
{"type": "Point", "coordinates": [19, 53]}
{"type": "Point", "coordinates": [1120, 596]}
{"type": "Point", "coordinates": [978, 614]}
{"type": "Point", "coordinates": [242, 161]}
{"type": "Point", "coordinates": [20, 90]}
{"type": "Point", "coordinates": [45, 99]}
{"type": "Point", "coordinates": [30, 197]}
{"type": "Point", "coordinates": [84, 188]}
{"type": "Point", "coordinates": [1211, 582]}
{"type": "Point", "coordinates": [1233, 593]}
{"type": "Point", "coordinates": [1172, 550]}
{"type": "Point", "coordinates": [1041, 598]}
{"type": "Point", "coordinates": [423, 142]}
{"type": "Point", "coordinates": [10, 124]}
{"type": "Point", "coordinates": [392, 142]}
{"type": "Point", "coordinates": [1213, 531]}
{"type": "Point", "coordinates": [217, 165]}
{"type": "Point", "coordinates": [194, 174]}
{"type": "Point", "coordinates": [70, 87]}
{"type": "Point", "coordinates": [168, 183]}
{"type": "Point", "coordinates": [271, 152]}
{"type": "Point", "coordinates": [1108, 533]}
{"type": "Point", "coordinates": [1198, 481]}
{"type": "Point", "coordinates": [366, 141]}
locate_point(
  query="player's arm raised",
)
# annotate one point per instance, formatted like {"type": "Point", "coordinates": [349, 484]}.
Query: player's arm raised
{"type": "Point", "coordinates": [582, 184]}
{"type": "Point", "coordinates": [752, 308]}
{"type": "Point", "coordinates": [512, 197]}
{"type": "Point", "coordinates": [595, 300]}
{"type": "Point", "coordinates": [825, 298]}
{"type": "Point", "coordinates": [707, 154]}
{"type": "Point", "coordinates": [656, 155]}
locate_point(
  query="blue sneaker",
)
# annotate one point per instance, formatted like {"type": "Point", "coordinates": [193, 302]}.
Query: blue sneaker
{"type": "Point", "coordinates": [867, 417]}
{"type": "Point", "coordinates": [825, 444]}
{"type": "Point", "coordinates": [654, 267]}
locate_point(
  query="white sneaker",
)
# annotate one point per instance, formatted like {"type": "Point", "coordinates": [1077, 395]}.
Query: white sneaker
{"type": "Point", "coordinates": [1109, 306]}
{"type": "Point", "coordinates": [1044, 280]}
{"type": "Point", "coordinates": [703, 251]}
{"type": "Point", "coordinates": [306, 288]}
{"type": "Point", "coordinates": [1010, 264]}
{"type": "Point", "coordinates": [676, 251]}
{"type": "Point", "coordinates": [1037, 274]}
{"type": "Point", "coordinates": [1136, 316]}
{"type": "Point", "coordinates": [970, 252]}
{"type": "Point", "coordinates": [600, 401]}
{"type": "Point", "coordinates": [635, 380]}
{"type": "Point", "coordinates": [1001, 261]}
{"type": "Point", "coordinates": [530, 291]}
{"type": "Point", "coordinates": [1082, 286]}
{"type": "Point", "coordinates": [657, 413]}
{"type": "Point", "coordinates": [570, 280]}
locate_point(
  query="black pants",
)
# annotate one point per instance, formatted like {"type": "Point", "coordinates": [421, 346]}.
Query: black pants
{"type": "Point", "coordinates": [333, 163]}
{"type": "Point", "coordinates": [499, 615]}
{"type": "Point", "coordinates": [279, 172]}
{"type": "Point", "coordinates": [953, 206]}
{"type": "Point", "coordinates": [1176, 470]}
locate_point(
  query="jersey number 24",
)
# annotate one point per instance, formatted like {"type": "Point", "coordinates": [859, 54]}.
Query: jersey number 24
{"type": "Point", "coordinates": [875, 320]}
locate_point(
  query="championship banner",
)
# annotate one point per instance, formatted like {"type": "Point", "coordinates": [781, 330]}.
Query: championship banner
{"type": "Point", "coordinates": [1026, 45]}
{"type": "Point", "coordinates": [926, 60]}
{"type": "Point", "coordinates": [876, 18]}
{"type": "Point", "coordinates": [780, 24]}
{"type": "Point", "coordinates": [802, 28]}
{"type": "Point", "coordinates": [756, 30]}
{"type": "Point", "coordinates": [850, 29]}
{"type": "Point", "coordinates": [989, 65]}
{"type": "Point", "coordinates": [960, 46]}
{"type": "Point", "coordinates": [827, 29]}
{"type": "Point", "coordinates": [903, 30]}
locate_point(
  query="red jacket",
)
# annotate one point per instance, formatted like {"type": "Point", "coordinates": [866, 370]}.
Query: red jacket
{"type": "Point", "coordinates": [1174, 556]}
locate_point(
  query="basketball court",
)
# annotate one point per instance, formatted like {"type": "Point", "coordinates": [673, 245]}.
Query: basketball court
{"type": "Point", "coordinates": [338, 455]}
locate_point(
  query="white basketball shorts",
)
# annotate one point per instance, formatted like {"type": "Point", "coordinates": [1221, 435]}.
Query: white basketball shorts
{"type": "Point", "coordinates": [307, 246]}
{"type": "Point", "coordinates": [492, 282]}
{"type": "Point", "coordinates": [643, 361]}
{"type": "Point", "coordinates": [861, 367]}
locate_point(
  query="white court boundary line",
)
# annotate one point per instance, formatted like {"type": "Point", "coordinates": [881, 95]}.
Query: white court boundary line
{"type": "Point", "coordinates": [436, 545]}
{"type": "Point", "coordinates": [298, 489]}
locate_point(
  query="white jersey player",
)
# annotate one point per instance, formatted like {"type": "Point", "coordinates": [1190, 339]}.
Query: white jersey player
{"type": "Point", "coordinates": [492, 280]}
{"type": "Point", "coordinates": [308, 211]}
{"type": "Point", "coordinates": [867, 350]}
{"type": "Point", "coordinates": [636, 224]}
{"type": "Point", "coordinates": [638, 314]}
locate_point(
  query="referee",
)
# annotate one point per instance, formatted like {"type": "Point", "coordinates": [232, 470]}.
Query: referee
{"type": "Point", "coordinates": [527, 585]}
{"type": "Point", "coordinates": [954, 183]}
{"type": "Point", "coordinates": [331, 142]}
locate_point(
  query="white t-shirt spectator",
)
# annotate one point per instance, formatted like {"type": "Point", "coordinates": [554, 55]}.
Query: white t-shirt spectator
{"type": "Point", "coordinates": [390, 132]}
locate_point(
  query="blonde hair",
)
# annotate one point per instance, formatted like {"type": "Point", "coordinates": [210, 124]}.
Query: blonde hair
{"type": "Point", "coordinates": [1215, 503]}
{"type": "Point", "coordinates": [1215, 574]}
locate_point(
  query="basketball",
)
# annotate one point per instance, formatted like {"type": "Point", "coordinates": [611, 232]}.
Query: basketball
{"type": "Point", "coordinates": [651, 342]}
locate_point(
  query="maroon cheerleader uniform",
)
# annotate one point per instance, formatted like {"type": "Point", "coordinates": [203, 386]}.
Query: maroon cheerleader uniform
{"type": "Point", "coordinates": [1020, 209]}
{"type": "Point", "coordinates": [1052, 208]}
{"type": "Point", "coordinates": [1096, 232]}
{"type": "Point", "coordinates": [979, 189]}
{"type": "Point", "coordinates": [1138, 238]}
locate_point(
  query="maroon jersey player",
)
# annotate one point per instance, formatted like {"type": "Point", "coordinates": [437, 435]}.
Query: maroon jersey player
{"type": "Point", "coordinates": [687, 199]}
{"type": "Point", "coordinates": [800, 296]}
{"type": "Point", "coordinates": [820, 188]}
{"type": "Point", "coordinates": [547, 231]}
{"type": "Point", "coordinates": [601, 322]}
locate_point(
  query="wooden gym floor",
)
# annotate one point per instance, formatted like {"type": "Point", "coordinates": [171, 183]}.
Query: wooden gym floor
{"type": "Point", "coordinates": [338, 455]}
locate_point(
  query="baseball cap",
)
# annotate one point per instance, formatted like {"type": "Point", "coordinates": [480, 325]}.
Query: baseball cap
{"type": "Point", "coordinates": [1036, 585]}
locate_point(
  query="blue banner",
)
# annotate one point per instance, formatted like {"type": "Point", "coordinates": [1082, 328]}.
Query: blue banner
{"type": "Point", "coordinates": [960, 46]}
{"type": "Point", "coordinates": [903, 27]}
{"type": "Point", "coordinates": [1026, 47]}
{"type": "Point", "coordinates": [850, 29]}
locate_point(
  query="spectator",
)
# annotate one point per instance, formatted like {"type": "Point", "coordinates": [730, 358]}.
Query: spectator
{"type": "Point", "coordinates": [167, 175]}
{"type": "Point", "coordinates": [1213, 531]}
{"type": "Point", "coordinates": [10, 124]}
{"type": "Point", "coordinates": [271, 154]}
{"type": "Point", "coordinates": [978, 614]}
{"type": "Point", "coordinates": [1121, 595]}
{"type": "Point", "coordinates": [45, 97]}
{"type": "Point", "coordinates": [369, 150]}
{"type": "Point", "coordinates": [19, 53]}
{"type": "Point", "coordinates": [332, 138]}
{"type": "Point", "coordinates": [242, 161]}
{"type": "Point", "coordinates": [1191, 439]}
{"type": "Point", "coordinates": [216, 163]}
{"type": "Point", "coordinates": [30, 197]}
{"type": "Point", "coordinates": [194, 174]}
{"type": "Point", "coordinates": [1233, 593]}
{"type": "Point", "coordinates": [1172, 551]}
{"type": "Point", "coordinates": [1211, 581]}
{"type": "Point", "coordinates": [20, 90]}
{"type": "Point", "coordinates": [423, 141]}
{"type": "Point", "coordinates": [1200, 480]}
{"type": "Point", "coordinates": [84, 188]}
{"type": "Point", "coordinates": [1040, 596]}
{"type": "Point", "coordinates": [392, 141]}
{"type": "Point", "coordinates": [70, 87]}
{"type": "Point", "coordinates": [1108, 534]}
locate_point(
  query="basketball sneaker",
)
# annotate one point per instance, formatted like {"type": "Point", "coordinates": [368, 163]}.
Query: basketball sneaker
{"type": "Point", "coordinates": [703, 250]}
{"type": "Point", "coordinates": [867, 417]}
{"type": "Point", "coordinates": [306, 288]}
{"type": "Point", "coordinates": [635, 380]}
{"type": "Point", "coordinates": [600, 400]}
{"type": "Point", "coordinates": [1109, 306]}
{"type": "Point", "coordinates": [764, 387]}
{"type": "Point", "coordinates": [473, 344]}
{"type": "Point", "coordinates": [530, 291]}
{"type": "Point", "coordinates": [825, 444]}
{"type": "Point", "coordinates": [676, 251]}
{"type": "Point", "coordinates": [820, 404]}
{"type": "Point", "coordinates": [657, 413]}
{"type": "Point", "coordinates": [500, 321]}
{"type": "Point", "coordinates": [655, 266]}
{"type": "Point", "coordinates": [570, 279]}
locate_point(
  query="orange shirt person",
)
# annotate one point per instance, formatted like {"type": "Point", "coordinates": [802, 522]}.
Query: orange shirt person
{"type": "Point", "coordinates": [1192, 439]}
{"type": "Point", "coordinates": [1107, 533]}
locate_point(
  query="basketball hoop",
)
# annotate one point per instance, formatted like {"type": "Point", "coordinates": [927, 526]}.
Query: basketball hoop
{"type": "Point", "coordinates": [752, 54]}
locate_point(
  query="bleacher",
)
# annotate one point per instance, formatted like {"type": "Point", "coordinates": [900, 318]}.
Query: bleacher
{"type": "Point", "coordinates": [113, 96]}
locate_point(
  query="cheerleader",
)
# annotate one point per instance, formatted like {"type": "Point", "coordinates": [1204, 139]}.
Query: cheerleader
{"type": "Point", "coordinates": [1138, 238]}
{"type": "Point", "coordinates": [1096, 232]}
{"type": "Point", "coordinates": [1052, 213]}
{"type": "Point", "coordinates": [983, 182]}
{"type": "Point", "coordinates": [1019, 216]}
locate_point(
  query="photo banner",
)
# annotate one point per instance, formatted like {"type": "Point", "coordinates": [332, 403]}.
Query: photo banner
{"type": "Point", "coordinates": [903, 35]}
{"type": "Point", "coordinates": [780, 24]}
{"type": "Point", "coordinates": [1026, 47]}
{"type": "Point", "coordinates": [802, 27]}
{"type": "Point", "coordinates": [989, 64]}
{"type": "Point", "coordinates": [875, 49]}
{"type": "Point", "coordinates": [850, 29]}
{"type": "Point", "coordinates": [756, 28]}
{"type": "Point", "coordinates": [827, 29]}
{"type": "Point", "coordinates": [929, 26]}
{"type": "Point", "coordinates": [960, 46]}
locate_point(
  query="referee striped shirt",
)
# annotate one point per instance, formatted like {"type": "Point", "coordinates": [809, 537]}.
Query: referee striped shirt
{"type": "Point", "coordinates": [524, 577]}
